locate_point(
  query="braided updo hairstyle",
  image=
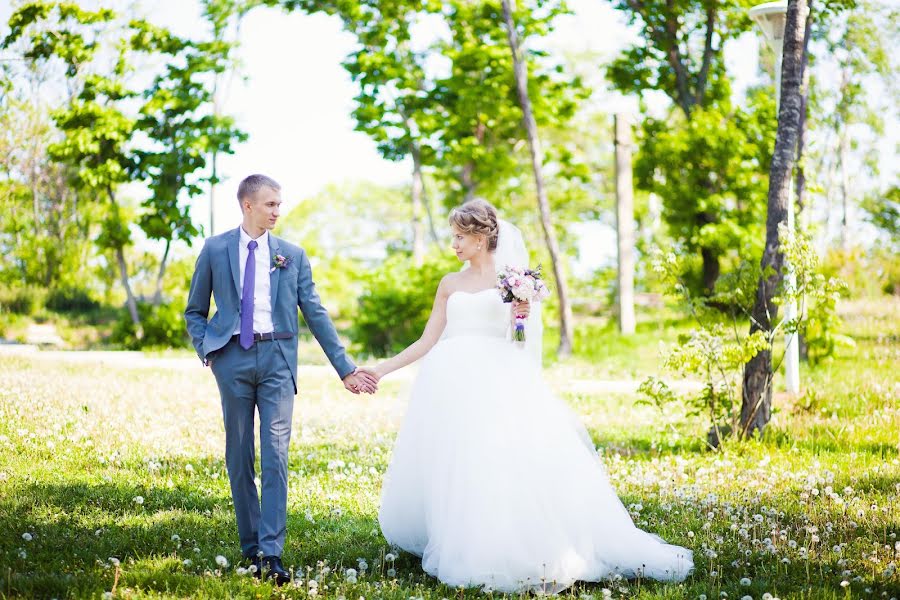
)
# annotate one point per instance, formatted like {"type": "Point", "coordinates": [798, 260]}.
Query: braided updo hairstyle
{"type": "Point", "coordinates": [477, 217]}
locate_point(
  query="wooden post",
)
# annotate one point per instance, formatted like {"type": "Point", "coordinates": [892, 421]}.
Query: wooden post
{"type": "Point", "coordinates": [625, 224]}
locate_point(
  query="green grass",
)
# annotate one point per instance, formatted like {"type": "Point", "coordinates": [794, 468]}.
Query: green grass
{"type": "Point", "coordinates": [80, 441]}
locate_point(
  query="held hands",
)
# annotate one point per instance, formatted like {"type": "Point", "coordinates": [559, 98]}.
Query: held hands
{"type": "Point", "coordinates": [362, 380]}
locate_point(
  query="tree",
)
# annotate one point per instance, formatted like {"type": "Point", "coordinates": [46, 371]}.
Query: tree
{"type": "Point", "coordinates": [45, 233]}
{"type": "Point", "coordinates": [349, 229]}
{"type": "Point", "coordinates": [224, 17]}
{"type": "Point", "coordinates": [96, 132]}
{"type": "Point", "coordinates": [182, 132]}
{"type": "Point", "coordinates": [680, 49]}
{"type": "Point", "coordinates": [709, 172]}
{"type": "Point", "coordinates": [757, 379]}
{"type": "Point", "coordinates": [537, 159]}
{"type": "Point", "coordinates": [392, 105]}
{"type": "Point", "coordinates": [104, 142]}
{"type": "Point", "coordinates": [854, 44]}
{"type": "Point", "coordinates": [680, 53]}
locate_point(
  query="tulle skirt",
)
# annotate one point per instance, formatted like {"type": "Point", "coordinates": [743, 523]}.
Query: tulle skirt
{"type": "Point", "coordinates": [495, 482]}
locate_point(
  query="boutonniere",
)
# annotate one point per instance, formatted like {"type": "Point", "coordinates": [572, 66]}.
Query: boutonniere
{"type": "Point", "coordinates": [280, 262]}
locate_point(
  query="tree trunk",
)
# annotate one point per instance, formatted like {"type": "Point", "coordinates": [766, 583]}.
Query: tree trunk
{"type": "Point", "coordinates": [625, 224]}
{"type": "Point", "coordinates": [800, 187]}
{"type": "Point", "coordinates": [157, 296]}
{"type": "Point", "coordinates": [711, 269]}
{"type": "Point", "coordinates": [468, 171]}
{"type": "Point", "coordinates": [428, 214]}
{"type": "Point", "coordinates": [468, 182]}
{"type": "Point", "coordinates": [213, 180]}
{"type": "Point", "coordinates": [131, 301]}
{"type": "Point", "coordinates": [756, 405]}
{"type": "Point", "coordinates": [845, 189]}
{"type": "Point", "coordinates": [419, 183]}
{"type": "Point", "coordinates": [418, 225]}
{"type": "Point", "coordinates": [534, 143]}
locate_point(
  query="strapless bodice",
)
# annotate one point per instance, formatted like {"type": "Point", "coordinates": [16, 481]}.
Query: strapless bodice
{"type": "Point", "coordinates": [481, 313]}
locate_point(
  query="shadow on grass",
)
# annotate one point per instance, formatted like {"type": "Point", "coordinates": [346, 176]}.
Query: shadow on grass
{"type": "Point", "coordinates": [76, 528]}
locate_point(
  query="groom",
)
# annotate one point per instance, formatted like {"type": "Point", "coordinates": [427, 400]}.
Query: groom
{"type": "Point", "coordinates": [258, 281]}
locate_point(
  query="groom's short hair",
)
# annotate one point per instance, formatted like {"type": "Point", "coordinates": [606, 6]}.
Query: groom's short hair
{"type": "Point", "coordinates": [253, 183]}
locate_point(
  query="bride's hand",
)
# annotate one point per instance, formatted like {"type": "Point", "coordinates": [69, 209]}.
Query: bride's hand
{"type": "Point", "coordinates": [521, 308]}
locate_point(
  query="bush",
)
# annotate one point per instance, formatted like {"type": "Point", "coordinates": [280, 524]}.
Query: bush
{"type": "Point", "coordinates": [72, 300]}
{"type": "Point", "coordinates": [396, 302]}
{"type": "Point", "coordinates": [22, 299]}
{"type": "Point", "coordinates": [163, 326]}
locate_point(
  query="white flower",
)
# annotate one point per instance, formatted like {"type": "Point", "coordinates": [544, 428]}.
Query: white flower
{"type": "Point", "coordinates": [187, 562]}
{"type": "Point", "coordinates": [845, 583]}
{"type": "Point", "coordinates": [139, 500]}
{"type": "Point", "coordinates": [350, 573]}
{"type": "Point", "coordinates": [746, 597]}
{"type": "Point", "coordinates": [113, 561]}
{"type": "Point", "coordinates": [107, 596]}
{"type": "Point", "coordinates": [176, 537]}
{"type": "Point", "coordinates": [221, 561]}
{"type": "Point", "coordinates": [241, 571]}
{"type": "Point", "coordinates": [27, 537]}
{"type": "Point", "coordinates": [391, 573]}
{"type": "Point", "coordinates": [22, 554]}
{"type": "Point", "coordinates": [745, 581]}
{"type": "Point", "coordinates": [607, 593]}
{"type": "Point", "coordinates": [390, 557]}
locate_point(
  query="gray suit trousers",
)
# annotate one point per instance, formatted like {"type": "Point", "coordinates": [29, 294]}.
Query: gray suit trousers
{"type": "Point", "coordinates": [258, 379]}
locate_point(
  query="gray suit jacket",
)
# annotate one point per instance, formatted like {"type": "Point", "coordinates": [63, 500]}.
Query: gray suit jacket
{"type": "Point", "coordinates": [218, 274]}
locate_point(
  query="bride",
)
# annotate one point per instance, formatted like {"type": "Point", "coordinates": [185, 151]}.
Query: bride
{"type": "Point", "coordinates": [493, 481]}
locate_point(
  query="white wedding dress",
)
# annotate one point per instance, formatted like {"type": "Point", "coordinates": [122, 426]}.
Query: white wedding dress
{"type": "Point", "coordinates": [495, 482]}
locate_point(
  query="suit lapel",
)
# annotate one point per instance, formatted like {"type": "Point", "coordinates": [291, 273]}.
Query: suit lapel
{"type": "Point", "coordinates": [233, 255]}
{"type": "Point", "coordinates": [275, 273]}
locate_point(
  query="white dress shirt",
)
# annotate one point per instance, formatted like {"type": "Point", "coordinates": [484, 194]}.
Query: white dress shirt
{"type": "Point", "coordinates": [262, 297]}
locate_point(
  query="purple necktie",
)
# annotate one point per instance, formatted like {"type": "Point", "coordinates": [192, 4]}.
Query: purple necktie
{"type": "Point", "coordinates": [247, 297]}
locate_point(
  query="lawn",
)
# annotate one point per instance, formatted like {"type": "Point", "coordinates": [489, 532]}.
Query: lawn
{"type": "Point", "coordinates": [112, 479]}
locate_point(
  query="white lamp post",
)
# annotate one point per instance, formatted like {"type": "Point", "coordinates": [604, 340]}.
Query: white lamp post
{"type": "Point", "coordinates": [771, 18]}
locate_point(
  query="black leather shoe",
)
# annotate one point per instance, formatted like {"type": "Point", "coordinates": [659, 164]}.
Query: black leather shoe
{"type": "Point", "coordinates": [275, 570]}
{"type": "Point", "coordinates": [254, 563]}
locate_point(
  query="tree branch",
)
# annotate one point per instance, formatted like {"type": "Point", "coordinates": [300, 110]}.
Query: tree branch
{"type": "Point", "coordinates": [711, 14]}
{"type": "Point", "coordinates": [673, 54]}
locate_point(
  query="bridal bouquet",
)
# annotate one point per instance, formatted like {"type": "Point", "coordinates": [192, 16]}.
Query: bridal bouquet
{"type": "Point", "coordinates": [524, 285]}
